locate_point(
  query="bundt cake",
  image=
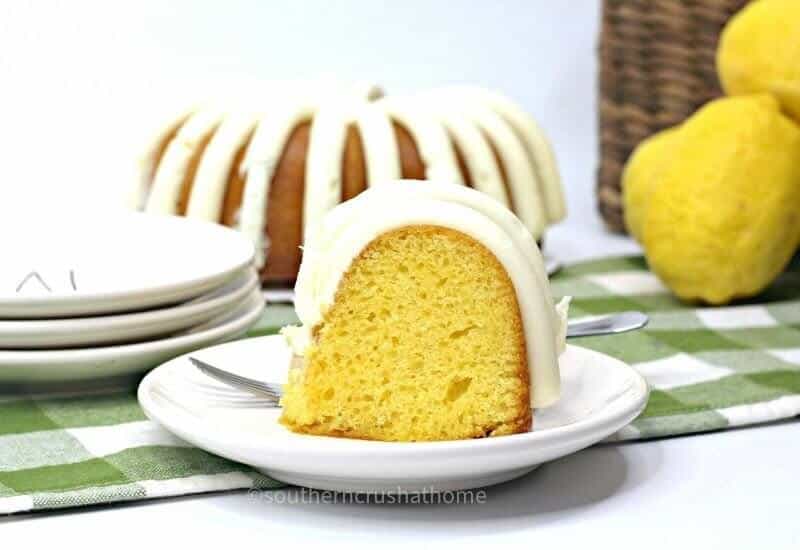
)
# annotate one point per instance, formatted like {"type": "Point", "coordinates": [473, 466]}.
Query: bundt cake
{"type": "Point", "coordinates": [426, 315]}
{"type": "Point", "coordinates": [274, 174]}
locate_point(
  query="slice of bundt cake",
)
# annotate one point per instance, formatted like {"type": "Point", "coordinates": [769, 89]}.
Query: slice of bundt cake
{"type": "Point", "coordinates": [273, 170]}
{"type": "Point", "coordinates": [426, 315]}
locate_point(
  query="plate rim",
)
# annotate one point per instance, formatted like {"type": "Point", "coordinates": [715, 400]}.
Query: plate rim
{"type": "Point", "coordinates": [77, 355]}
{"type": "Point", "coordinates": [33, 307]}
{"type": "Point", "coordinates": [26, 328]}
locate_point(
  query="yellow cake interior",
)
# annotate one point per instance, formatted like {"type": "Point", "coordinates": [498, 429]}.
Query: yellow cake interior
{"type": "Point", "coordinates": [423, 342]}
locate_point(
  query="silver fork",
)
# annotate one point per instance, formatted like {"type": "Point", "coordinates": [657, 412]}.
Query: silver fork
{"type": "Point", "coordinates": [613, 323]}
{"type": "Point", "coordinates": [271, 393]}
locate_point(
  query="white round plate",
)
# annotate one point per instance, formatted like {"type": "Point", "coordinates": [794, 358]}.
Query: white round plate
{"type": "Point", "coordinates": [115, 361]}
{"type": "Point", "coordinates": [600, 396]}
{"type": "Point", "coordinates": [127, 327]}
{"type": "Point", "coordinates": [87, 265]}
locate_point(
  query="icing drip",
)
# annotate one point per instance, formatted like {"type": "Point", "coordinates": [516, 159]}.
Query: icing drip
{"type": "Point", "coordinates": [521, 177]}
{"type": "Point", "coordinates": [177, 158]}
{"type": "Point", "coordinates": [380, 144]}
{"type": "Point", "coordinates": [484, 171]}
{"type": "Point", "coordinates": [480, 122]}
{"type": "Point", "coordinates": [538, 147]}
{"type": "Point", "coordinates": [430, 137]}
{"type": "Point", "coordinates": [150, 157]}
{"type": "Point", "coordinates": [213, 173]}
{"type": "Point", "coordinates": [324, 161]}
{"type": "Point", "coordinates": [261, 160]}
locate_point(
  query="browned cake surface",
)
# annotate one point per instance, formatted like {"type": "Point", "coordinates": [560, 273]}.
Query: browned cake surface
{"type": "Point", "coordinates": [503, 174]}
{"type": "Point", "coordinates": [354, 165]}
{"type": "Point", "coordinates": [462, 163]}
{"type": "Point", "coordinates": [285, 208]}
{"type": "Point", "coordinates": [411, 165]}
{"type": "Point", "coordinates": [234, 191]}
{"type": "Point", "coordinates": [191, 171]}
{"type": "Point", "coordinates": [284, 227]}
{"type": "Point", "coordinates": [163, 144]}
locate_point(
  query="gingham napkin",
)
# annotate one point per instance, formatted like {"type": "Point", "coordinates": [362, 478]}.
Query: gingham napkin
{"type": "Point", "coordinates": [64, 451]}
{"type": "Point", "coordinates": [709, 369]}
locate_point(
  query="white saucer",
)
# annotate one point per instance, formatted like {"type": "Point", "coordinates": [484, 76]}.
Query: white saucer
{"type": "Point", "coordinates": [600, 396]}
{"type": "Point", "coordinates": [24, 367]}
{"type": "Point", "coordinates": [127, 327]}
{"type": "Point", "coordinates": [111, 263]}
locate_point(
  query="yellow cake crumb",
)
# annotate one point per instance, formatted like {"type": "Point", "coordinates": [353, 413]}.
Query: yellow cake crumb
{"type": "Point", "coordinates": [423, 342]}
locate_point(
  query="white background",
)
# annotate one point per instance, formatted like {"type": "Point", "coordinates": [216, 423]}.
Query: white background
{"type": "Point", "coordinates": [80, 81]}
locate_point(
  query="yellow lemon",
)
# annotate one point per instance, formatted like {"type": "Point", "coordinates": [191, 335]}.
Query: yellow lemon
{"type": "Point", "coordinates": [723, 220]}
{"type": "Point", "coordinates": [759, 51]}
{"type": "Point", "coordinates": [641, 174]}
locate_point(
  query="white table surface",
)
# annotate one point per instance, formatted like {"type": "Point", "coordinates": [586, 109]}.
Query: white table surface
{"type": "Point", "coordinates": [730, 489]}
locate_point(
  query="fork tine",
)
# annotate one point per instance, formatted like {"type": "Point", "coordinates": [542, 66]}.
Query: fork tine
{"type": "Point", "coordinates": [230, 378]}
{"type": "Point", "coordinates": [256, 385]}
{"type": "Point", "coordinates": [227, 375]}
{"type": "Point", "coordinates": [272, 391]}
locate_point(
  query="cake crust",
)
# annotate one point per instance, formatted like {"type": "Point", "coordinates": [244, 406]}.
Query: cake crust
{"type": "Point", "coordinates": [411, 165]}
{"type": "Point", "coordinates": [354, 164]}
{"type": "Point", "coordinates": [285, 208]}
{"type": "Point", "coordinates": [234, 191]}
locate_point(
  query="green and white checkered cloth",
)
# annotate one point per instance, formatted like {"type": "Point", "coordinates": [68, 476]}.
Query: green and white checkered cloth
{"type": "Point", "coordinates": [709, 368]}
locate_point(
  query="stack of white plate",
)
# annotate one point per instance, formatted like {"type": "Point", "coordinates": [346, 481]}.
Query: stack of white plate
{"type": "Point", "coordinates": [109, 296]}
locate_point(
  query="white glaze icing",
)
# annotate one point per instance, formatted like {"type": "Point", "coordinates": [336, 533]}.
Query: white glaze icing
{"type": "Point", "coordinates": [213, 173]}
{"type": "Point", "coordinates": [520, 175]}
{"type": "Point", "coordinates": [350, 227]}
{"type": "Point", "coordinates": [323, 172]}
{"type": "Point", "coordinates": [537, 145]}
{"type": "Point", "coordinates": [326, 145]}
{"type": "Point", "coordinates": [477, 154]}
{"type": "Point", "coordinates": [379, 144]}
{"type": "Point", "coordinates": [430, 137]}
{"type": "Point", "coordinates": [149, 157]}
{"type": "Point", "coordinates": [172, 169]}
{"type": "Point", "coordinates": [258, 167]}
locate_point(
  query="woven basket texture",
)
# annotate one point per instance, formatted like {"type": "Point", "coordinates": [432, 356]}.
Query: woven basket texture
{"type": "Point", "coordinates": [656, 68]}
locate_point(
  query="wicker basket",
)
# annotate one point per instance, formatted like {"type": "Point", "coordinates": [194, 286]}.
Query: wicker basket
{"type": "Point", "coordinates": [656, 68]}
